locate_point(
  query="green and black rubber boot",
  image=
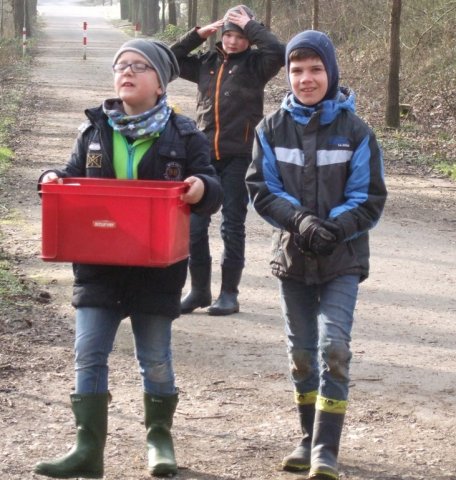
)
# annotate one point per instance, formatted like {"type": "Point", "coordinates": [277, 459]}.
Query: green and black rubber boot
{"type": "Point", "coordinates": [325, 445]}
{"type": "Point", "coordinates": [299, 459]}
{"type": "Point", "coordinates": [85, 459]}
{"type": "Point", "coordinates": [159, 413]}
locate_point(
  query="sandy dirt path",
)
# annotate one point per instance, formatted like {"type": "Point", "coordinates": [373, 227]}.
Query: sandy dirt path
{"type": "Point", "coordinates": [235, 419]}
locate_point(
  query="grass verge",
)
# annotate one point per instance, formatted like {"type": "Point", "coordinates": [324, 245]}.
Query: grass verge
{"type": "Point", "coordinates": [14, 290]}
{"type": "Point", "coordinates": [413, 149]}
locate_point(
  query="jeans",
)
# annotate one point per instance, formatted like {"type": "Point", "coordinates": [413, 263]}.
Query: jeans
{"type": "Point", "coordinates": [96, 329]}
{"type": "Point", "coordinates": [232, 173]}
{"type": "Point", "coordinates": [318, 324]}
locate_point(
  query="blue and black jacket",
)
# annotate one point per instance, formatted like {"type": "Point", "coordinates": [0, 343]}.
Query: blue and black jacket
{"type": "Point", "coordinates": [322, 161]}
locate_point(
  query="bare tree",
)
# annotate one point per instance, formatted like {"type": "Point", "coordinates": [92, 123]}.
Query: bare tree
{"type": "Point", "coordinates": [124, 9]}
{"type": "Point", "coordinates": [315, 14]}
{"type": "Point", "coordinates": [268, 14]}
{"type": "Point", "coordinates": [190, 8]}
{"type": "Point", "coordinates": [163, 15]}
{"type": "Point", "coordinates": [392, 116]}
{"type": "Point", "coordinates": [172, 13]}
{"type": "Point", "coordinates": [194, 12]}
{"type": "Point", "coordinates": [15, 15]}
{"type": "Point", "coordinates": [32, 6]}
{"type": "Point", "coordinates": [21, 17]}
{"type": "Point", "coordinates": [150, 16]}
{"type": "Point", "coordinates": [214, 17]}
{"type": "Point", "coordinates": [134, 9]}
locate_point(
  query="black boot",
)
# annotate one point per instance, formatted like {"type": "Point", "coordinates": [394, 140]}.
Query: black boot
{"type": "Point", "coordinates": [85, 459]}
{"type": "Point", "coordinates": [227, 302]}
{"type": "Point", "coordinates": [325, 445]}
{"type": "Point", "coordinates": [299, 458]}
{"type": "Point", "coordinates": [200, 293]}
{"type": "Point", "coordinates": [159, 412]}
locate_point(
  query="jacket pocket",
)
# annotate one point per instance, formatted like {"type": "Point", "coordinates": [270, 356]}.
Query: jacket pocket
{"type": "Point", "coordinates": [280, 251]}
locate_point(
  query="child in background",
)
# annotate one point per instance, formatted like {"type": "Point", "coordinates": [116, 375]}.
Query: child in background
{"type": "Point", "coordinates": [231, 82]}
{"type": "Point", "coordinates": [317, 176]}
{"type": "Point", "coordinates": [133, 136]}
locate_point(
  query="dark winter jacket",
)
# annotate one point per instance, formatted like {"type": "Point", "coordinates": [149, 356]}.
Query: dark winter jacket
{"type": "Point", "coordinates": [230, 87]}
{"type": "Point", "coordinates": [324, 162]}
{"type": "Point", "coordinates": [180, 151]}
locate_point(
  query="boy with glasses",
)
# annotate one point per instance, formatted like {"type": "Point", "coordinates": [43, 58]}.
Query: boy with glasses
{"type": "Point", "coordinates": [135, 135]}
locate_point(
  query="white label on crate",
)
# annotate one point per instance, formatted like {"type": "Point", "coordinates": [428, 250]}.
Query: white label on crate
{"type": "Point", "coordinates": [104, 224]}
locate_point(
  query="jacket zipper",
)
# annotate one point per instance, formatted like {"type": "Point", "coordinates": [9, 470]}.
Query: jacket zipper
{"type": "Point", "coordinates": [131, 155]}
{"type": "Point", "coordinates": [217, 111]}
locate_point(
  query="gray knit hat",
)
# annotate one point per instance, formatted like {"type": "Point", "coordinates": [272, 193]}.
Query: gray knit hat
{"type": "Point", "coordinates": [232, 26]}
{"type": "Point", "coordinates": [158, 54]}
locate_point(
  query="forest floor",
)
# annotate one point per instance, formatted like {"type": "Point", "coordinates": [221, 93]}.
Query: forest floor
{"type": "Point", "coordinates": [236, 418]}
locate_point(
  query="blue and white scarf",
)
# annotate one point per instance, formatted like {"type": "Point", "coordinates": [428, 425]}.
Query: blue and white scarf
{"type": "Point", "coordinates": [146, 124]}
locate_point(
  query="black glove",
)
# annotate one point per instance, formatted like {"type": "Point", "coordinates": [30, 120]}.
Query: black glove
{"type": "Point", "coordinates": [314, 237]}
{"type": "Point", "coordinates": [335, 228]}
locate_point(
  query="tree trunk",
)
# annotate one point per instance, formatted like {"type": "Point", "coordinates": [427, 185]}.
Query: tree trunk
{"type": "Point", "coordinates": [315, 14]}
{"type": "Point", "coordinates": [392, 116]}
{"type": "Point", "coordinates": [195, 13]}
{"type": "Point", "coordinates": [154, 11]}
{"type": "Point", "coordinates": [192, 13]}
{"type": "Point", "coordinates": [134, 11]}
{"type": "Point", "coordinates": [24, 12]}
{"type": "Point", "coordinates": [144, 17]}
{"type": "Point", "coordinates": [163, 15]}
{"type": "Point", "coordinates": [150, 17]}
{"type": "Point", "coordinates": [214, 16]}
{"type": "Point", "coordinates": [32, 7]}
{"type": "Point", "coordinates": [124, 9]}
{"type": "Point", "coordinates": [268, 14]}
{"type": "Point", "coordinates": [20, 17]}
{"type": "Point", "coordinates": [172, 14]}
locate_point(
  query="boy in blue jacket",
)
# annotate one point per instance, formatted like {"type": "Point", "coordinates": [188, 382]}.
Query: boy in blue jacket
{"type": "Point", "coordinates": [317, 176]}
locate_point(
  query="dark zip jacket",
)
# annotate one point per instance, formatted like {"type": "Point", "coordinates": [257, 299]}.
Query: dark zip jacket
{"type": "Point", "coordinates": [230, 95]}
{"type": "Point", "coordinates": [324, 162]}
{"type": "Point", "coordinates": [180, 151]}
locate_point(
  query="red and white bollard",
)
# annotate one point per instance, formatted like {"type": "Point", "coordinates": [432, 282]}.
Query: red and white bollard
{"type": "Point", "coordinates": [24, 40]}
{"type": "Point", "coordinates": [84, 40]}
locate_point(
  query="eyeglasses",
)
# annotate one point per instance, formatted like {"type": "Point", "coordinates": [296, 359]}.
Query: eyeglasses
{"type": "Point", "coordinates": [135, 67]}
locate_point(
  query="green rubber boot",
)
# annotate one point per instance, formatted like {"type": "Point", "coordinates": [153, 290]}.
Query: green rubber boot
{"type": "Point", "coordinates": [85, 459]}
{"type": "Point", "coordinates": [159, 412]}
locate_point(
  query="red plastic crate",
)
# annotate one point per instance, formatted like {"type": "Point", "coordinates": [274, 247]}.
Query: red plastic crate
{"type": "Point", "coordinates": [115, 222]}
